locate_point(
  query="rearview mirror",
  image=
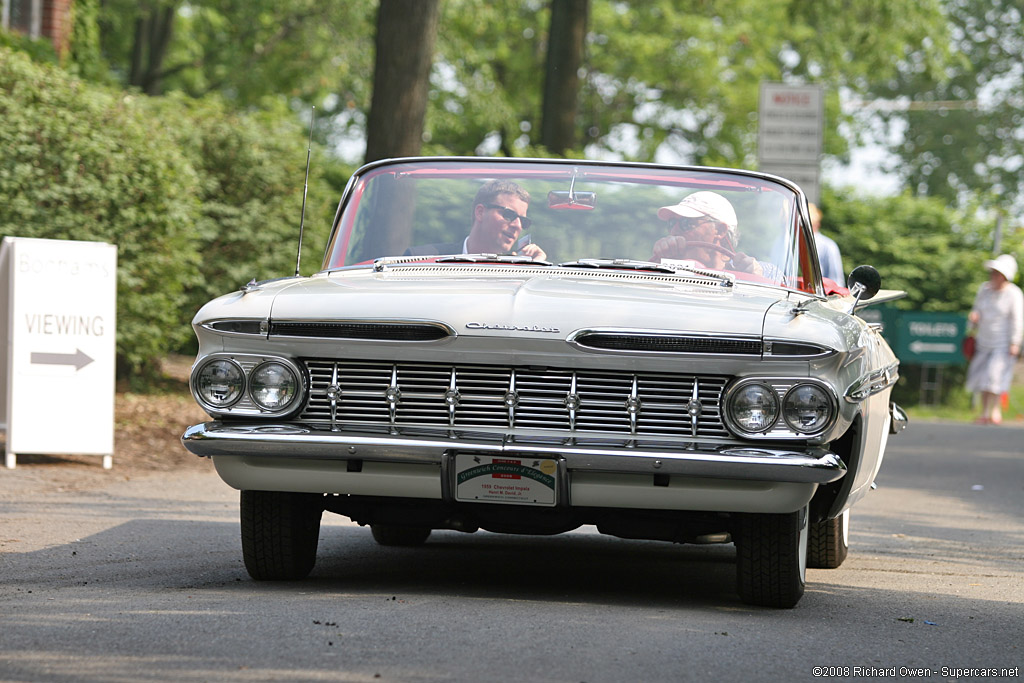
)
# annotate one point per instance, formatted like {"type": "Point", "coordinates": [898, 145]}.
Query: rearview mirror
{"type": "Point", "coordinates": [567, 199]}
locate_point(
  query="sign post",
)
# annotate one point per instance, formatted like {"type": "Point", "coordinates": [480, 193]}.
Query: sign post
{"type": "Point", "coordinates": [58, 320]}
{"type": "Point", "coordinates": [789, 134]}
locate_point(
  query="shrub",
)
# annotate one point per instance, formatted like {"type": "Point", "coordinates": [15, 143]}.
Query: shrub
{"type": "Point", "coordinates": [82, 162]}
{"type": "Point", "coordinates": [198, 199]}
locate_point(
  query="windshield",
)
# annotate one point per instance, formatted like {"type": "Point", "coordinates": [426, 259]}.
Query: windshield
{"type": "Point", "coordinates": [575, 215]}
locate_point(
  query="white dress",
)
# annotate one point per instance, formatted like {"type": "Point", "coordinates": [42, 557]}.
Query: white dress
{"type": "Point", "coordinates": [1000, 324]}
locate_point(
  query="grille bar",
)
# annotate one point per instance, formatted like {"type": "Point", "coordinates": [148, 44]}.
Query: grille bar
{"type": "Point", "coordinates": [475, 396]}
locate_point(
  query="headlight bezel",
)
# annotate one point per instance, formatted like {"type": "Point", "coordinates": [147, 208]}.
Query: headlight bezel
{"type": "Point", "coordinates": [196, 380]}
{"type": "Point", "coordinates": [729, 410]}
{"type": "Point", "coordinates": [830, 402]}
{"type": "Point", "coordinates": [781, 428]}
{"type": "Point", "coordinates": [246, 405]}
{"type": "Point", "coordinates": [251, 388]}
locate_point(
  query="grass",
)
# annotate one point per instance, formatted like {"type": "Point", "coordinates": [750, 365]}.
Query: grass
{"type": "Point", "coordinates": [958, 408]}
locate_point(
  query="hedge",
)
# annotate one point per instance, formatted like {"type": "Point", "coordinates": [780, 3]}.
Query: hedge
{"type": "Point", "coordinates": [198, 199]}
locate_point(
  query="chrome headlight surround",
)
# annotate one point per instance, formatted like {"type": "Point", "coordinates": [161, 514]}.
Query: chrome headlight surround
{"type": "Point", "coordinates": [782, 387]}
{"type": "Point", "coordinates": [250, 403]}
{"type": "Point", "coordinates": [751, 407]}
{"type": "Point", "coordinates": [805, 397]}
{"type": "Point", "coordinates": [273, 386]}
{"type": "Point", "coordinates": [218, 383]}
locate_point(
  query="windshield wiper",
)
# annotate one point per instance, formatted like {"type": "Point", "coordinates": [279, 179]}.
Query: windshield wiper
{"type": "Point", "coordinates": [631, 264]}
{"type": "Point", "coordinates": [490, 258]}
{"type": "Point", "coordinates": [617, 264]}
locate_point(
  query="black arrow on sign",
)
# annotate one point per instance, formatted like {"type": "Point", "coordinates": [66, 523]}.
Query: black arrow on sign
{"type": "Point", "coordinates": [79, 359]}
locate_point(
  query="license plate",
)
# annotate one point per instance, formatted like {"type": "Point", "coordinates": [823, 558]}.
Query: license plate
{"type": "Point", "coordinates": [516, 481]}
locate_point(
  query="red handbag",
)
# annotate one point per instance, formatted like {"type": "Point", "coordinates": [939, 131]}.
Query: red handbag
{"type": "Point", "coordinates": [967, 347]}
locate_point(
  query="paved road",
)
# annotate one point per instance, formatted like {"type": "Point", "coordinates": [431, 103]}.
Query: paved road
{"type": "Point", "coordinates": [142, 580]}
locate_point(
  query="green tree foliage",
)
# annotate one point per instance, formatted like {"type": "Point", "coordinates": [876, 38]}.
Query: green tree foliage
{"type": "Point", "coordinates": [670, 78]}
{"type": "Point", "coordinates": [248, 50]}
{"type": "Point", "coordinates": [199, 199]}
{"type": "Point", "coordinates": [251, 169]}
{"type": "Point", "coordinates": [85, 163]}
{"type": "Point", "coordinates": [963, 140]}
{"type": "Point", "coordinates": [919, 245]}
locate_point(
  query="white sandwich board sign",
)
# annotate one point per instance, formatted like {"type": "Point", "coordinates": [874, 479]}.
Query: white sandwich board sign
{"type": "Point", "coordinates": [57, 311]}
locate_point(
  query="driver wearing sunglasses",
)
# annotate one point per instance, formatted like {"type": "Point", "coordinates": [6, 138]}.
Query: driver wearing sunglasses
{"type": "Point", "coordinates": [703, 228]}
{"type": "Point", "coordinates": [499, 219]}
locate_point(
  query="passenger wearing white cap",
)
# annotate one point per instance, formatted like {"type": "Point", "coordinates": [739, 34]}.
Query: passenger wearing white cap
{"type": "Point", "coordinates": [998, 316]}
{"type": "Point", "coordinates": [703, 228]}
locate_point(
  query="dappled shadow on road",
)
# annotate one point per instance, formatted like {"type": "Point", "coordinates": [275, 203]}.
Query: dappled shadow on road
{"type": "Point", "coordinates": [154, 598]}
{"type": "Point", "coordinates": [582, 566]}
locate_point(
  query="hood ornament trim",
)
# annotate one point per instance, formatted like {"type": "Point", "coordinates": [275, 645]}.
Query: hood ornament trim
{"type": "Point", "coordinates": [510, 328]}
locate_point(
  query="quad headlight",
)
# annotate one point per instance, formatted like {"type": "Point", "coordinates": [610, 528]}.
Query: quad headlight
{"type": "Point", "coordinates": [807, 408]}
{"type": "Point", "coordinates": [243, 384]}
{"type": "Point", "coordinates": [273, 386]}
{"type": "Point", "coordinates": [754, 408]}
{"type": "Point", "coordinates": [779, 408]}
{"type": "Point", "coordinates": [220, 383]}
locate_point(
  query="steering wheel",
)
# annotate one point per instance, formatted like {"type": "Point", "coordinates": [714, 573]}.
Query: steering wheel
{"type": "Point", "coordinates": [714, 247]}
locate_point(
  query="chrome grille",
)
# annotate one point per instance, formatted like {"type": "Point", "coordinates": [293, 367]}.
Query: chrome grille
{"type": "Point", "coordinates": [485, 397]}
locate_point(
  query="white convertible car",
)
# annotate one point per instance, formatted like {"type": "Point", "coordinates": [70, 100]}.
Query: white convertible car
{"type": "Point", "coordinates": [528, 346]}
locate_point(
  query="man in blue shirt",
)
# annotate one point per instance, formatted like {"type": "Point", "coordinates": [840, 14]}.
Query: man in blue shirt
{"type": "Point", "coordinates": [828, 251]}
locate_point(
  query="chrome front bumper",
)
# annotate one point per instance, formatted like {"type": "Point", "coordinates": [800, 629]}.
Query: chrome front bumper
{"type": "Point", "coordinates": [711, 460]}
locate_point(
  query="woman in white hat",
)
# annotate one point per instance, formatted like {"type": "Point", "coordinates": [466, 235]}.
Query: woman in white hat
{"type": "Point", "coordinates": [998, 315]}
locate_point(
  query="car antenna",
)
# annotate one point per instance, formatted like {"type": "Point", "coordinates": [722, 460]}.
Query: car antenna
{"type": "Point", "coordinates": [305, 189]}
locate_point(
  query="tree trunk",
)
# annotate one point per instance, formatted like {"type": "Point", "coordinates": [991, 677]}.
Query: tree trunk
{"type": "Point", "coordinates": [153, 30]}
{"type": "Point", "coordinates": [562, 83]}
{"type": "Point", "coordinates": [406, 30]}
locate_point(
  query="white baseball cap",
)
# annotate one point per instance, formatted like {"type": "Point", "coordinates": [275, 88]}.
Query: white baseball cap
{"type": "Point", "coordinates": [704, 203]}
{"type": "Point", "coordinates": [1004, 264]}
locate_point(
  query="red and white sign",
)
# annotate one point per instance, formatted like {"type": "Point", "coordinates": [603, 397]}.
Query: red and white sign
{"type": "Point", "coordinates": [789, 134]}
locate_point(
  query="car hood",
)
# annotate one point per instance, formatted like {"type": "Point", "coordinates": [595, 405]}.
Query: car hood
{"type": "Point", "coordinates": [535, 303]}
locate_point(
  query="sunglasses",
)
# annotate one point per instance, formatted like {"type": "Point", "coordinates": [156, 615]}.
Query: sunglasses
{"type": "Point", "coordinates": [687, 224]}
{"type": "Point", "coordinates": [509, 215]}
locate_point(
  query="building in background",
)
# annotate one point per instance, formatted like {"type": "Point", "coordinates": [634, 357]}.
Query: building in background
{"type": "Point", "coordinates": [50, 19]}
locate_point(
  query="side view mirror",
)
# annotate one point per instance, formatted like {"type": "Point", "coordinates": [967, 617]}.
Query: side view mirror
{"type": "Point", "coordinates": [864, 282]}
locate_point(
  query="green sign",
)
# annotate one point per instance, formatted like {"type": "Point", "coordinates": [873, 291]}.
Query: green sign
{"type": "Point", "coordinates": [921, 338]}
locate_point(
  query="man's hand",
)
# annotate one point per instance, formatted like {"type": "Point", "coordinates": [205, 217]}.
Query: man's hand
{"type": "Point", "coordinates": [746, 264]}
{"type": "Point", "coordinates": [673, 246]}
{"type": "Point", "coordinates": [534, 252]}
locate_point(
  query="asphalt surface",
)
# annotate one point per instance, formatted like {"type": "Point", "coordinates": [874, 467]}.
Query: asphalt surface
{"type": "Point", "coordinates": [142, 580]}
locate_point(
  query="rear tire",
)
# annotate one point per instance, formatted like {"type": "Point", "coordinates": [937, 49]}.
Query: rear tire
{"type": "Point", "coordinates": [387, 534]}
{"type": "Point", "coordinates": [771, 558]}
{"type": "Point", "coordinates": [280, 532]}
{"type": "Point", "coordinates": [828, 542]}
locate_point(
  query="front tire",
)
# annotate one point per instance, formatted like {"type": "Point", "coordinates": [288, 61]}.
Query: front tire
{"type": "Point", "coordinates": [771, 558]}
{"type": "Point", "coordinates": [280, 532]}
{"type": "Point", "coordinates": [828, 542]}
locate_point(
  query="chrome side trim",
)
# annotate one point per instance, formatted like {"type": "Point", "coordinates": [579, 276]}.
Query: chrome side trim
{"type": "Point", "coordinates": [873, 383]}
{"type": "Point", "coordinates": [217, 439]}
